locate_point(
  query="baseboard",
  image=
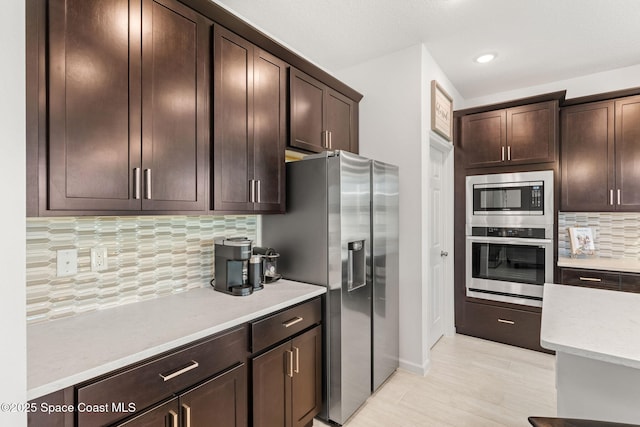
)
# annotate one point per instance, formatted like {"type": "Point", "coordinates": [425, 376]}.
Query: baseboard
{"type": "Point", "coordinates": [414, 367]}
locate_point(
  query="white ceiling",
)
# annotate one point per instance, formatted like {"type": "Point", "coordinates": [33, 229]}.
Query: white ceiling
{"type": "Point", "coordinates": [537, 41]}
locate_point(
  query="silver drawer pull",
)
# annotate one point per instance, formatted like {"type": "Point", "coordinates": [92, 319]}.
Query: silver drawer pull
{"type": "Point", "coordinates": [590, 279]}
{"type": "Point", "coordinates": [179, 372]}
{"type": "Point", "coordinates": [292, 322]}
{"type": "Point", "coordinates": [508, 322]}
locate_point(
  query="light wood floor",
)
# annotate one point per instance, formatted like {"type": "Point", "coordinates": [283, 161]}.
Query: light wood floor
{"type": "Point", "coordinates": [471, 382]}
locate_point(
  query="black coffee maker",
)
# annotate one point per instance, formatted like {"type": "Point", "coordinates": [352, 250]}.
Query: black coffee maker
{"type": "Point", "coordinates": [232, 266]}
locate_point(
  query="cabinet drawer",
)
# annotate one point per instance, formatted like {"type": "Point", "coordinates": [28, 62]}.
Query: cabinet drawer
{"type": "Point", "coordinates": [590, 278]}
{"type": "Point", "coordinates": [516, 327]}
{"type": "Point", "coordinates": [279, 326]}
{"type": "Point", "coordinates": [159, 378]}
{"type": "Point", "coordinates": [630, 282]}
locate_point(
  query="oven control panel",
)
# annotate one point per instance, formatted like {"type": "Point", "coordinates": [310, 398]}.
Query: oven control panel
{"type": "Point", "coordinates": [518, 232]}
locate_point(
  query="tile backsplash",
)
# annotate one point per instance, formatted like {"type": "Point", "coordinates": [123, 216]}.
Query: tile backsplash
{"type": "Point", "coordinates": [148, 257]}
{"type": "Point", "coordinates": [615, 234]}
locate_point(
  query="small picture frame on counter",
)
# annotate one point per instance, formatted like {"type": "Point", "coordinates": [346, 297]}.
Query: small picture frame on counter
{"type": "Point", "coordinates": [581, 239]}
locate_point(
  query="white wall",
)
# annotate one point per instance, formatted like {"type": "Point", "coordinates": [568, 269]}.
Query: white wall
{"type": "Point", "coordinates": [12, 187]}
{"type": "Point", "coordinates": [607, 81]}
{"type": "Point", "coordinates": [390, 130]}
{"type": "Point", "coordinates": [395, 127]}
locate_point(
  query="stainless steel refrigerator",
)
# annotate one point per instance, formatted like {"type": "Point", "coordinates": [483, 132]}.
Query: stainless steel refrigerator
{"type": "Point", "coordinates": [341, 231]}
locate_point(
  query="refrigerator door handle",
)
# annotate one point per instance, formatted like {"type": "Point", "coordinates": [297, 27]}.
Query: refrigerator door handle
{"type": "Point", "coordinates": [356, 266]}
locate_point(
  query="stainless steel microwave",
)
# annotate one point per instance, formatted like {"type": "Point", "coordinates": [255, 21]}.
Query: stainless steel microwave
{"type": "Point", "coordinates": [510, 199]}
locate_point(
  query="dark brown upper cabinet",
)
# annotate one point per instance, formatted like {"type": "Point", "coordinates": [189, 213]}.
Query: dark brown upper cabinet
{"type": "Point", "coordinates": [128, 93]}
{"type": "Point", "coordinates": [321, 118]}
{"type": "Point", "coordinates": [600, 151]}
{"type": "Point", "coordinates": [511, 136]}
{"type": "Point", "coordinates": [250, 88]}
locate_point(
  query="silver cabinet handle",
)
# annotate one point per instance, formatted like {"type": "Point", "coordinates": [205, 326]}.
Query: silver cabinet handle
{"type": "Point", "coordinates": [292, 322]}
{"type": "Point", "coordinates": [509, 153]}
{"type": "Point", "coordinates": [174, 418]}
{"type": "Point", "coordinates": [590, 279]}
{"type": "Point", "coordinates": [147, 184]}
{"type": "Point", "coordinates": [502, 153]}
{"type": "Point", "coordinates": [136, 183]}
{"type": "Point", "coordinates": [297, 368]}
{"type": "Point", "coordinates": [444, 253]}
{"type": "Point", "coordinates": [171, 375]}
{"type": "Point", "coordinates": [187, 414]}
{"type": "Point", "coordinates": [325, 139]}
{"type": "Point", "coordinates": [252, 191]}
{"type": "Point", "coordinates": [330, 142]}
{"type": "Point", "coordinates": [508, 322]}
{"type": "Point", "coordinates": [259, 195]}
{"type": "Point", "coordinates": [618, 196]}
{"type": "Point", "coordinates": [611, 197]}
{"type": "Point", "coordinates": [290, 367]}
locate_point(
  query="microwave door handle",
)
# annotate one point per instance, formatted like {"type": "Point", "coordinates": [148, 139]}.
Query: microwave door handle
{"type": "Point", "coordinates": [509, 240]}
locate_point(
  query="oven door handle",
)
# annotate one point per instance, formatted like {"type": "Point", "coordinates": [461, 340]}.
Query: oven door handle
{"type": "Point", "coordinates": [509, 240]}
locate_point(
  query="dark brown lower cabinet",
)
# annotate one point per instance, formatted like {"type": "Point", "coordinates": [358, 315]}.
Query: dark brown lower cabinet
{"type": "Point", "coordinates": [630, 282]}
{"type": "Point", "coordinates": [501, 324]}
{"type": "Point", "coordinates": [611, 280]}
{"type": "Point", "coordinates": [287, 382]}
{"type": "Point", "coordinates": [220, 401]}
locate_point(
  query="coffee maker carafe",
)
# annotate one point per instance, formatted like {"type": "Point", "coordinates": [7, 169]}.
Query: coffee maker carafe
{"type": "Point", "coordinates": [232, 266]}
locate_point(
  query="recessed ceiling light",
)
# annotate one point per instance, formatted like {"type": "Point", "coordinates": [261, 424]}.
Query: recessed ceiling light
{"type": "Point", "coordinates": [487, 57]}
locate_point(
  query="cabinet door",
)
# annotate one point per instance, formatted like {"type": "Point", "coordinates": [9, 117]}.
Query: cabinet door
{"type": "Point", "coordinates": [484, 138]}
{"type": "Point", "coordinates": [269, 130]}
{"type": "Point", "coordinates": [94, 135]}
{"type": "Point", "coordinates": [340, 114]}
{"type": "Point", "coordinates": [306, 390]}
{"type": "Point", "coordinates": [272, 372]}
{"type": "Point", "coordinates": [531, 133]}
{"type": "Point", "coordinates": [166, 414]}
{"type": "Point", "coordinates": [220, 402]}
{"type": "Point", "coordinates": [307, 112]}
{"type": "Point", "coordinates": [233, 127]}
{"type": "Point", "coordinates": [628, 154]}
{"type": "Point", "coordinates": [587, 157]}
{"type": "Point", "coordinates": [174, 114]}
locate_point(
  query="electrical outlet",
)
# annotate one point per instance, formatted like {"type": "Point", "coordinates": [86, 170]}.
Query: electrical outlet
{"type": "Point", "coordinates": [99, 259]}
{"type": "Point", "coordinates": [67, 261]}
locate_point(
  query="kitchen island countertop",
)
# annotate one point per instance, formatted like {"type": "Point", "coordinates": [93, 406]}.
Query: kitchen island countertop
{"type": "Point", "coordinates": [68, 351]}
{"type": "Point", "coordinates": [594, 323]}
{"type": "Point", "coordinates": [595, 335]}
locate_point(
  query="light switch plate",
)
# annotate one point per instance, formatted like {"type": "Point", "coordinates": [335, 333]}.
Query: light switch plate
{"type": "Point", "coordinates": [67, 260]}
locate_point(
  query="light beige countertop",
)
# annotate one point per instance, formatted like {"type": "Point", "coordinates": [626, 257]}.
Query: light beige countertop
{"type": "Point", "coordinates": [68, 351]}
{"type": "Point", "coordinates": [593, 323]}
{"type": "Point", "coordinates": [623, 265]}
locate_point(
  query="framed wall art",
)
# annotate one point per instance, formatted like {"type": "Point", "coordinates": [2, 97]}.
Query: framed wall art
{"type": "Point", "coordinates": [441, 111]}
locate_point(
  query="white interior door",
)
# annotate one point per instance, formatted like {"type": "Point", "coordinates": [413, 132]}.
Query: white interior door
{"type": "Point", "coordinates": [438, 252]}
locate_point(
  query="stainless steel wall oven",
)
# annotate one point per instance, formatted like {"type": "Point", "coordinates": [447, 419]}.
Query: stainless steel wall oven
{"type": "Point", "coordinates": [509, 247]}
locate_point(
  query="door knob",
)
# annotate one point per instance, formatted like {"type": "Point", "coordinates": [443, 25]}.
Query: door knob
{"type": "Point", "coordinates": [444, 253]}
